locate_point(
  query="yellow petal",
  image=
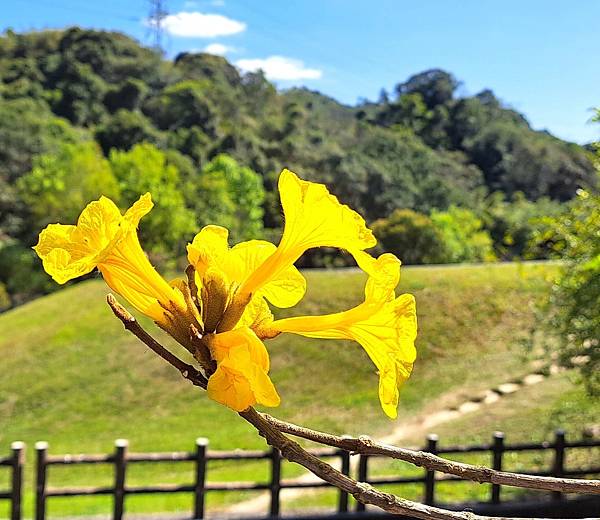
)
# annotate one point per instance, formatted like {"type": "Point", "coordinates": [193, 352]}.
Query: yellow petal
{"type": "Point", "coordinates": [241, 378]}
{"type": "Point", "coordinates": [98, 225]}
{"type": "Point", "coordinates": [384, 274]}
{"type": "Point", "coordinates": [386, 330]}
{"type": "Point", "coordinates": [257, 316]}
{"type": "Point", "coordinates": [230, 387]}
{"type": "Point", "coordinates": [240, 389]}
{"type": "Point", "coordinates": [63, 258]}
{"type": "Point", "coordinates": [122, 282]}
{"type": "Point", "coordinates": [241, 340]}
{"type": "Point", "coordinates": [82, 246]}
{"type": "Point", "coordinates": [210, 249]}
{"type": "Point", "coordinates": [313, 218]}
{"type": "Point", "coordinates": [139, 209]}
{"type": "Point", "coordinates": [285, 289]}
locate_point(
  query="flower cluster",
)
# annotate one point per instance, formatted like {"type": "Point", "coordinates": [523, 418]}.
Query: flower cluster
{"type": "Point", "coordinates": [221, 312]}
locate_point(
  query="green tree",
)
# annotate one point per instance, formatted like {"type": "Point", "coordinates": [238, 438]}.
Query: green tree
{"type": "Point", "coordinates": [27, 128]}
{"type": "Point", "coordinates": [463, 235]}
{"type": "Point", "coordinates": [519, 227]}
{"type": "Point", "coordinates": [572, 320]}
{"type": "Point", "coordinates": [61, 183]}
{"type": "Point", "coordinates": [411, 236]}
{"type": "Point", "coordinates": [125, 129]}
{"type": "Point", "coordinates": [436, 86]}
{"type": "Point", "coordinates": [230, 195]}
{"type": "Point", "coordinates": [21, 274]}
{"type": "Point", "coordinates": [143, 169]}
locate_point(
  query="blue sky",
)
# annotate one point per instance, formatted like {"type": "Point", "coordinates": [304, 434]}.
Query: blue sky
{"type": "Point", "coordinates": [539, 57]}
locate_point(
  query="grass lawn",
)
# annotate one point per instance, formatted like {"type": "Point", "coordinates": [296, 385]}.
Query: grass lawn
{"type": "Point", "coordinates": [73, 377]}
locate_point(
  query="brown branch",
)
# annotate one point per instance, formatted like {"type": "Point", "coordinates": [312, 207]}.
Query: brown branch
{"type": "Point", "coordinates": [131, 324]}
{"type": "Point", "coordinates": [361, 491]}
{"type": "Point", "coordinates": [367, 446]}
{"type": "Point", "coordinates": [271, 429]}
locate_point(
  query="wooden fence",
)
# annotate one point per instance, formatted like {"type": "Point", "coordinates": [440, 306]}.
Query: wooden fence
{"type": "Point", "coordinates": [121, 459]}
{"type": "Point", "coordinates": [497, 448]}
{"type": "Point", "coordinates": [15, 461]}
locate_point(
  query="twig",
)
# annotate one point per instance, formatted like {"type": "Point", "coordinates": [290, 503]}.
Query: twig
{"type": "Point", "coordinates": [367, 446]}
{"type": "Point", "coordinates": [361, 491]}
{"type": "Point", "coordinates": [271, 429]}
{"type": "Point", "coordinates": [131, 324]}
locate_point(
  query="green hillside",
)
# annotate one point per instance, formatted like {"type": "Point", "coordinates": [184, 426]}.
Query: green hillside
{"type": "Point", "coordinates": [85, 113]}
{"type": "Point", "coordinates": [72, 376]}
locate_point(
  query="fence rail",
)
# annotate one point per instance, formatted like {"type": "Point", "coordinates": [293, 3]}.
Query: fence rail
{"type": "Point", "coordinates": [121, 459]}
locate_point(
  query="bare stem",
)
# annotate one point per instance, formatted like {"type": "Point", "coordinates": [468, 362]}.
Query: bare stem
{"type": "Point", "coordinates": [131, 324]}
{"type": "Point", "coordinates": [361, 491]}
{"type": "Point", "coordinates": [271, 429]}
{"type": "Point", "coordinates": [367, 446]}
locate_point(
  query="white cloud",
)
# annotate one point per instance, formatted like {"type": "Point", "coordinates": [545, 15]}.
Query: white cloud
{"type": "Point", "coordinates": [200, 25]}
{"type": "Point", "coordinates": [279, 68]}
{"type": "Point", "coordinates": [218, 48]}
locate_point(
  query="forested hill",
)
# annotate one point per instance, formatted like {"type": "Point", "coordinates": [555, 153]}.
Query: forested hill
{"type": "Point", "coordinates": [421, 148]}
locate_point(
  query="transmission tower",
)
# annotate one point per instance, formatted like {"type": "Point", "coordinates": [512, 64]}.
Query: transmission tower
{"type": "Point", "coordinates": [158, 12]}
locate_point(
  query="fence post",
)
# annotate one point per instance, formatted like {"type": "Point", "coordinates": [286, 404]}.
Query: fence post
{"type": "Point", "coordinates": [558, 467]}
{"type": "Point", "coordinates": [345, 469]}
{"type": "Point", "coordinates": [363, 476]}
{"type": "Point", "coordinates": [497, 453]}
{"type": "Point", "coordinates": [41, 449]}
{"type": "Point", "coordinates": [275, 481]}
{"type": "Point", "coordinates": [199, 489]}
{"type": "Point", "coordinates": [120, 468]}
{"type": "Point", "coordinates": [18, 459]}
{"type": "Point", "coordinates": [432, 440]}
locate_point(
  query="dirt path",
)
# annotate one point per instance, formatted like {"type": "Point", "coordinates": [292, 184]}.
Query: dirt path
{"type": "Point", "coordinates": [417, 427]}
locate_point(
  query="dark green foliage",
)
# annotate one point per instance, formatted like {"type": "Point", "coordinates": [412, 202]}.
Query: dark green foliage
{"type": "Point", "coordinates": [498, 141]}
{"type": "Point", "coordinates": [27, 128]}
{"type": "Point", "coordinates": [128, 95]}
{"type": "Point", "coordinates": [518, 227]}
{"type": "Point", "coordinates": [20, 274]}
{"type": "Point", "coordinates": [124, 129]}
{"type": "Point", "coordinates": [435, 86]}
{"type": "Point", "coordinates": [165, 125]}
{"type": "Point", "coordinates": [411, 236]}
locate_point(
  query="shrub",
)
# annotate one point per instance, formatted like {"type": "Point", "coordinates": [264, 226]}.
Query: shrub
{"type": "Point", "coordinates": [411, 236]}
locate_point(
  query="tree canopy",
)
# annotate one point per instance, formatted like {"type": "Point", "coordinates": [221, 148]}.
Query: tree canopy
{"type": "Point", "coordinates": [84, 112]}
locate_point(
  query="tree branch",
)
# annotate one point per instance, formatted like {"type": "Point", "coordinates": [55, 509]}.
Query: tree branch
{"type": "Point", "coordinates": [367, 446]}
{"type": "Point", "coordinates": [361, 491]}
{"type": "Point", "coordinates": [131, 324]}
{"type": "Point", "coordinates": [271, 429]}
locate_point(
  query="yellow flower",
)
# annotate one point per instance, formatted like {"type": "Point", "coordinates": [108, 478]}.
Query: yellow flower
{"type": "Point", "coordinates": [221, 313]}
{"type": "Point", "coordinates": [105, 239]}
{"type": "Point", "coordinates": [241, 378]}
{"type": "Point", "coordinates": [385, 326]}
{"type": "Point", "coordinates": [313, 218]}
{"type": "Point", "coordinates": [235, 282]}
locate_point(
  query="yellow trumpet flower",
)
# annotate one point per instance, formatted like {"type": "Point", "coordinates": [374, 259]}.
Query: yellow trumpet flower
{"type": "Point", "coordinates": [386, 330]}
{"type": "Point", "coordinates": [225, 302]}
{"type": "Point", "coordinates": [105, 239]}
